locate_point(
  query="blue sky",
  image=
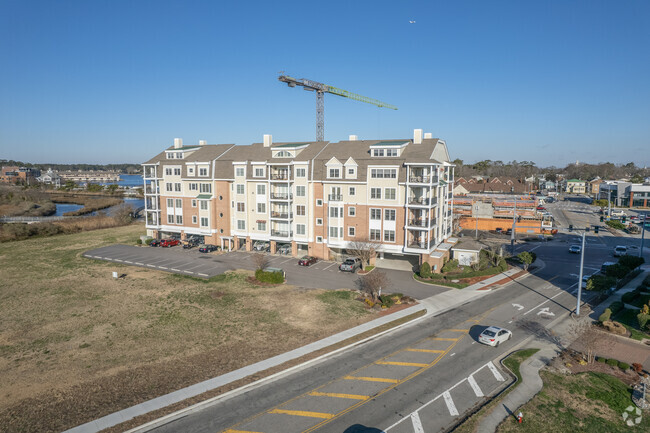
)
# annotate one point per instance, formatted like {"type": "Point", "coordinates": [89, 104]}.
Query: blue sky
{"type": "Point", "coordinates": [115, 81]}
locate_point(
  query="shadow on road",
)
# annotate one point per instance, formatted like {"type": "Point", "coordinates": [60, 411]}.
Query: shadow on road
{"type": "Point", "coordinates": [358, 428]}
{"type": "Point", "coordinates": [541, 333]}
{"type": "Point", "coordinates": [476, 330]}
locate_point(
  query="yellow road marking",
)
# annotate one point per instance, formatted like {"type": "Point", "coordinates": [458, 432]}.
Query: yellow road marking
{"type": "Point", "coordinates": [371, 379]}
{"type": "Point", "coordinates": [333, 394]}
{"type": "Point", "coordinates": [458, 330]}
{"type": "Point", "coordinates": [239, 431]}
{"type": "Point", "coordinates": [425, 350]}
{"type": "Point", "coordinates": [405, 364]}
{"type": "Point", "coordinates": [303, 413]}
{"type": "Point", "coordinates": [443, 339]}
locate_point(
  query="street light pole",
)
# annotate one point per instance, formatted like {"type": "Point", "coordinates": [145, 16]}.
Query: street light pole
{"type": "Point", "coordinates": [645, 218]}
{"type": "Point", "coordinates": [609, 202]}
{"type": "Point", "coordinates": [476, 215]}
{"type": "Point", "coordinates": [582, 261]}
{"type": "Point", "coordinates": [514, 223]}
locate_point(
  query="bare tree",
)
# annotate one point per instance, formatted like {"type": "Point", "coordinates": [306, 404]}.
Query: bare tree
{"type": "Point", "coordinates": [261, 260]}
{"type": "Point", "coordinates": [373, 283]}
{"type": "Point", "coordinates": [123, 214]}
{"type": "Point", "coordinates": [588, 339]}
{"type": "Point", "coordinates": [364, 248]}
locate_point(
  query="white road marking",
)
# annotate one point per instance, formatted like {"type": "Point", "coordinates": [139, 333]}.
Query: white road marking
{"type": "Point", "coordinates": [495, 372]}
{"type": "Point", "coordinates": [417, 424]}
{"type": "Point", "coordinates": [330, 266]}
{"type": "Point", "coordinates": [188, 272]}
{"type": "Point", "coordinates": [98, 257]}
{"type": "Point", "coordinates": [546, 311]}
{"type": "Point", "coordinates": [162, 267]}
{"type": "Point", "coordinates": [203, 275]}
{"type": "Point", "coordinates": [452, 354]}
{"type": "Point", "coordinates": [151, 266]}
{"type": "Point", "coordinates": [508, 323]}
{"type": "Point", "coordinates": [175, 270]}
{"type": "Point", "coordinates": [537, 306]}
{"type": "Point", "coordinates": [450, 404]}
{"type": "Point", "coordinates": [138, 263]}
{"type": "Point", "coordinates": [477, 390]}
{"type": "Point", "coordinates": [117, 260]}
{"type": "Point", "coordinates": [518, 306]}
{"type": "Point", "coordinates": [126, 261]}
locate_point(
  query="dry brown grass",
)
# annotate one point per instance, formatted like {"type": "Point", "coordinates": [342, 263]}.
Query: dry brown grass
{"type": "Point", "coordinates": [72, 337]}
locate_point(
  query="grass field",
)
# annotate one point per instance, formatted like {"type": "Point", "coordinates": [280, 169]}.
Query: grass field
{"type": "Point", "coordinates": [73, 337]}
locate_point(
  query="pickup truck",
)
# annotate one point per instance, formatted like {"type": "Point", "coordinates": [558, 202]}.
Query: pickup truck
{"type": "Point", "coordinates": [350, 265]}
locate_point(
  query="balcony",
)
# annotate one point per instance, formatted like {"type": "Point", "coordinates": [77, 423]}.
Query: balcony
{"type": "Point", "coordinates": [414, 178]}
{"type": "Point", "coordinates": [282, 215]}
{"type": "Point", "coordinates": [281, 233]}
{"type": "Point", "coordinates": [418, 223]}
{"type": "Point", "coordinates": [280, 176]}
{"type": "Point", "coordinates": [151, 190]}
{"type": "Point", "coordinates": [281, 196]}
{"type": "Point", "coordinates": [335, 197]}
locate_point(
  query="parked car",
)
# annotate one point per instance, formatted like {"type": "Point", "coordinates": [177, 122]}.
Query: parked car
{"type": "Point", "coordinates": [620, 250]}
{"type": "Point", "coordinates": [285, 250]}
{"type": "Point", "coordinates": [154, 243]}
{"type": "Point", "coordinates": [541, 208]}
{"type": "Point", "coordinates": [207, 248]}
{"type": "Point", "coordinates": [351, 264]}
{"type": "Point", "coordinates": [261, 246]}
{"type": "Point", "coordinates": [618, 213]}
{"type": "Point", "coordinates": [498, 230]}
{"type": "Point", "coordinates": [169, 242]}
{"type": "Point", "coordinates": [307, 260]}
{"type": "Point", "coordinates": [585, 278]}
{"type": "Point", "coordinates": [575, 249]}
{"type": "Point", "coordinates": [606, 265]}
{"type": "Point", "coordinates": [190, 243]}
{"type": "Point", "coordinates": [509, 231]}
{"type": "Point", "coordinates": [493, 336]}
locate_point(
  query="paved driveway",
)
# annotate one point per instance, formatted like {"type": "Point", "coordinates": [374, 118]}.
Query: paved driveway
{"type": "Point", "coordinates": [321, 275]}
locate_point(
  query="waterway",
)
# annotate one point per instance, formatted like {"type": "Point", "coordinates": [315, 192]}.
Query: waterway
{"type": "Point", "coordinates": [128, 181]}
{"type": "Point", "coordinates": [62, 208]}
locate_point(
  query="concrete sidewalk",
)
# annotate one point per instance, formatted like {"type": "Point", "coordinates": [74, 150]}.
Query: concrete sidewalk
{"type": "Point", "coordinates": [531, 383]}
{"type": "Point", "coordinates": [433, 306]}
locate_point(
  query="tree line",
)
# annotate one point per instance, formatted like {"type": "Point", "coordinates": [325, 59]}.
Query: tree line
{"type": "Point", "coordinates": [120, 168]}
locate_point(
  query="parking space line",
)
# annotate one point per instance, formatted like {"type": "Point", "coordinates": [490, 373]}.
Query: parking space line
{"type": "Point", "coordinates": [98, 257]}
{"type": "Point", "coordinates": [371, 379]}
{"type": "Point", "coordinates": [495, 372]}
{"type": "Point", "coordinates": [329, 266]}
{"type": "Point", "coordinates": [477, 390]}
{"type": "Point", "coordinates": [151, 266]}
{"type": "Point", "coordinates": [450, 404]}
{"type": "Point", "coordinates": [288, 260]}
{"type": "Point", "coordinates": [203, 275]}
{"type": "Point", "coordinates": [336, 395]}
{"type": "Point", "coordinates": [175, 270]}
{"type": "Point", "coordinates": [162, 267]}
{"type": "Point", "coordinates": [303, 413]}
{"type": "Point", "coordinates": [425, 350]}
{"type": "Point", "coordinates": [188, 272]}
{"type": "Point", "coordinates": [117, 260]}
{"type": "Point", "coordinates": [403, 364]}
{"type": "Point", "coordinates": [417, 424]}
{"type": "Point", "coordinates": [138, 263]}
{"type": "Point", "coordinates": [126, 261]}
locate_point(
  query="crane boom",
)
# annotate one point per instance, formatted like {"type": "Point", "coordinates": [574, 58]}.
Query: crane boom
{"type": "Point", "coordinates": [320, 90]}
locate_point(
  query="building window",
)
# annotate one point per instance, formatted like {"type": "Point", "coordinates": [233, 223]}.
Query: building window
{"type": "Point", "coordinates": [300, 172]}
{"type": "Point", "coordinates": [239, 171]}
{"type": "Point", "coordinates": [206, 187]}
{"type": "Point", "coordinates": [300, 210]}
{"type": "Point", "coordinates": [334, 232]}
{"type": "Point", "coordinates": [334, 173]}
{"type": "Point", "coordinates": [240, 189]}
{"type": "Point", "coordinates": [177, 172]}
{"type": "Point", "coordinates": [240, 207]}
{"type": "Point", "coordinates": [377, 152]}
{"type": "Point", "coordinates": [179, 155]}
{"type": "Point", "coordinates": [168, 171]}
{"type": "Point", "coordinates": [352, 211]}
{"type": "Point", "coordinates": [194, 219]}
{"type": "Point", "coordinates": [204, 222]}
{"type": "Point", "coordinates": [383, 173]}
{"type": "Point", "coordinates": [319, 239]}
{"type": "Point", "coordinates": [179, 203]}
{"type": "Point", "coordinates": [319, 221]}
{"type": "Point", "coordinates": [177, 187]}
{"type": "Point", "coordinates": [194, 186]}
{"type": "Point", "coordinates": [190, 171]}
{"type": "Point", "coordinates": [351, 232]}
{"type": "Point", "coordinates": [169, 187]}
{"type": "Point", "coordinates": [389, 235]}
{"type": "Point", "coordinates": [352, 191]}
{"type": "Point", "coordinates": [170, 219]}
{"type": "Point", "coordinates": [319, 202]}
{"type": "Point", "coordinates": [300, 229]}
{"type": "Point", "coordinates": [375, 235]}
{"type": "Point", "coordinates": [203, 171]}
{"type": "Point", "coordinates": [300, 191]}
{"type": "Point", "coordinates": [259, 171]}
{"type": "Point", "coordinates": [170, 156]}
{"type": "Point", "coordinates": [375, 214]}
{"type": "Point", "coordinates": [241, 225]}
{"type": "Point", "coordinates": [170, 202]}
{"type": "Point", "coordinates": [375, 193]}
{"type": "Point", "coordinates": [204, 205]}
{"type": "Point", "coordinates": [389, 194]}
{"type": "Point", "coordinates": [389, 214]}
{"type": "Point", "coordinates": [392, 152]}
{"type": "Point", "coordinates": [334, 212]}
{"type": "Point", "coordinates": [261, 207]}
{"type": "Point", "coordinates": [352, 172]}
{"type": "Point", "coordinates": [261, 226]}
{"type": "Point", "coordinates": [179, 219]}
{"type": "Point", "coordinates": [261, 189]}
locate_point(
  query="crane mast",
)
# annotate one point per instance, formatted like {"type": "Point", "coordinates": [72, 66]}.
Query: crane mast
{"type": "Point", "coordinates": [321, 89]}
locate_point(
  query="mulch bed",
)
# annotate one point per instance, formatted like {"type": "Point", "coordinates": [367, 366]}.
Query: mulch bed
{"type": "Point", "coordinates": [571, 363]}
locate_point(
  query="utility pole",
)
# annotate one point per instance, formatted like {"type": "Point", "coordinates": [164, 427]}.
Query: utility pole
{"type": "Point", "coordinates": [609, 202]}
{"type": "Point", "coordinates": [514, 226]}
{"type": "Point", "coordinates": [582, 261]}
{"type": "Point", "coordinates": [642, 235]}
{"type": "Point", "coordinates": [476, 208]}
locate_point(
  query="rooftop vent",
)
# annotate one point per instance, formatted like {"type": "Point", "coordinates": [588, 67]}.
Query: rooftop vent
{"type": "Point", "coordinates": [353, 138]}
{"type": "Point", "coordinates": [417, 136]}
{"type": "Point", "coordinates": [428, 135]}
{"type": "Point", "coordinates": [202, 142]}
{"type": "Point", "coordinates": [178, 143]}
{"type": "Point", "coordinates": [268, 140]}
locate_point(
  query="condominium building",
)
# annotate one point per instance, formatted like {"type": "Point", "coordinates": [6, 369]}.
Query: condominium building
{"type": "Point", "coordinates": [317, 197]}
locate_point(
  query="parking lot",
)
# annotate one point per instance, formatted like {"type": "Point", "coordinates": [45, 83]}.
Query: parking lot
{"type": "Point", "coordinates": [320, 275]}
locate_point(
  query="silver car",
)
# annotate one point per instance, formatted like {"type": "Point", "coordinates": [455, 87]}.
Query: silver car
{"type": "Point", "coordinates": [493, 336]}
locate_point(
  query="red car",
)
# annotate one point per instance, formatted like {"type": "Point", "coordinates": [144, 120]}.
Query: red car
{"type": "Point", "coordinates": [541, 208]}
{"type": "Point", "coordinates": [307, 260]}
{"type": "Point", "coordinates": [169, 242]}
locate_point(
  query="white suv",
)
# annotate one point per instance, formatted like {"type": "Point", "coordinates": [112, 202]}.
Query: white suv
{"type": "Point", "coordinates": [620, 250]}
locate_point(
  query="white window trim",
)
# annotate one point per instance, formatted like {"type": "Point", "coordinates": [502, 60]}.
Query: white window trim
{"type": "Point", "coordinates": [321, 221]}
{"type": "Point", "coordinates": [355, 211]}
{"type": "Point", "coordinates": [351, 235]}
{"type": "Point", "coordinates": [194, 219]}
{"type": "Point", "coordinates": [319, 239]}
{"type": "Point", "coordinates": [319, 202]}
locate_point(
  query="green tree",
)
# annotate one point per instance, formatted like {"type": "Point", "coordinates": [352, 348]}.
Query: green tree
{"type": "Point", "coordinates": [526, 258]}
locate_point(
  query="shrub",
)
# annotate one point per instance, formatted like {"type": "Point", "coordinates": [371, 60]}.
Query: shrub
{"type": "Point", "coordinates": [638, 368]}
{"type": "Point", "coordinates": [612, 362]}
{"type": "Point", "coordinates": [646, 281]}
{"type": "Point", "coordinates": [601, 359]}
{"type": "Point", "coordinates": [631, 262]}
{"type": "Point", "coordinates": [615, 307]}
{"type": "Point", "coordinates": [503, 265]}
{"type": "Point", "coordinates": [425, 270]}
{"type": "Point", "coordinates": [599, 283]}
{"type": "Point", "coordinates": [451, 265]}
{"type": "Point", "coordinates": [617, 271]}
{"type": "Point", "coordinates": [643, 320]}
{"type": "Point", "coordinates": [269, 277]}
{"type": "Point", "coordinates": [629, 277]}
{"type": "Point", "coordinates": [628, 297]}
{"type": "Point", "coordinates": [605, 316]}
{"type": "Point", "coordinates": [623, 365]}
{"type": "Point", "coordinates": [616, 224]}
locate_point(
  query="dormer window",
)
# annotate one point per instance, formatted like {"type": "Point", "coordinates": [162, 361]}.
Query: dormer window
{"type": "Point", "coordinates": [377, 152]}
{"type": "Point", "coordinates": [283, 154]}
{"type": "Point", "coordinates": [179, 155]}
{"type": "Point", "coordinates": [334, 173]}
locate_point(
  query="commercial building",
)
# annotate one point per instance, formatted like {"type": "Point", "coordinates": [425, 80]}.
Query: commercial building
{"type": "Point", "coordinates": [18, 175]}
{"type": "Point", "coordinates": [626, 194]}
{"type": "Point", "coordinates": [576, 186]}
{"type": "Point", "coordinates": [317, 197]}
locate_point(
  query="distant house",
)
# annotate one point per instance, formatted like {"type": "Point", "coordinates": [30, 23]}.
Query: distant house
{"type": "Point", "coordinates": [495, 185]}
{"type": "Point", "coordinates": [576, 186]}
{"type": "Point", "coordinates": [50, 178]}
{"type": "Point", "coordinates": [594, 186]}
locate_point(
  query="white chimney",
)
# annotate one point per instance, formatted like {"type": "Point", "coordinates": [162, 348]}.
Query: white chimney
{"type": "Point", "coordinates": [178, 143]}
{"type": "Point", "coordinates": [428, 135]}
{"type": "Point", "coordinates": [353, 138]}
{"type": "Point", "coordinates": [202, 142]}
{"type": "Point", "coordinates": [268, 139]}
{"type": "Point", "coordinates": [417, 136]}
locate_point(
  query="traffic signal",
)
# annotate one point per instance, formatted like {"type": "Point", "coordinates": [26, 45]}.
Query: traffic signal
{"type": "Point", "coordinates": [602, 218]}
{"type": "Point", "coordinates": [570, 227]}
{"type": "Point", "coordinates": [596, 229]}
{"type": "Point", "coordinates": [624, 219]}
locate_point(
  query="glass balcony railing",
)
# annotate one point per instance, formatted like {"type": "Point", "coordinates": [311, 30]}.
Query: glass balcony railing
{"type": "Point", "coordinates": [282, 215]}
{"type": "Point", "coordinates": [281, 196]}
{"type": "Point", "coordinates": [281, 233]}
{"type": "Point", "coordinates": [335, 197]}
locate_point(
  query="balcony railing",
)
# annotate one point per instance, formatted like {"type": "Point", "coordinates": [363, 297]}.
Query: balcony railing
{"type": "Point", "coordinates": [415, 243]}
{"type": "Point", "coordinates": [279, 176]}
{"type": "Point", "coordinates": [418, 223]}
{"type": "Point", "coordinates": [415, 178]}
{"type": "Point", "coordinates": [282, 215]}
{"type": "Point", "coordinates": [281, 234]}
{"type": "Point", "coordinates": [281, 196]}
{"type": "Point", "coordinates": [422, 201]}
{"type": "Point", "coordinates": [335, 197]}
{"type": "Point", "coordinates": [150, 190]}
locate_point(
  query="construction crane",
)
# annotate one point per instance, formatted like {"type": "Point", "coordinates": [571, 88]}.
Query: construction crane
{"type": "Point", "coordinates": [321, 89]}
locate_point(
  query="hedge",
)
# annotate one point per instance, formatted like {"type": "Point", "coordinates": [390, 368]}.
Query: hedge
{"type": "Point", "coordinates": [628, 297]}
{"type": "Point", "coordinates": [425, 270]}
{"type": "Point", "coordinates": [627, 278]}
{"type": "Point", "coordinates": [615, 307]}
{"type": "Point", "coordinates": [623, 365]}
{"type": "Point", "coordinates": [643, 320]}
{"type": "Point", "coordinates": [631, 262]}
{"type": "Point", "coordinates": [269, 277]}
{"type": "Point", "coordinates": [601, 359]}
{"type": "Point", "coordinates": [605, 316]}
{"type": "Point", "coordinates": [612, 362]}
